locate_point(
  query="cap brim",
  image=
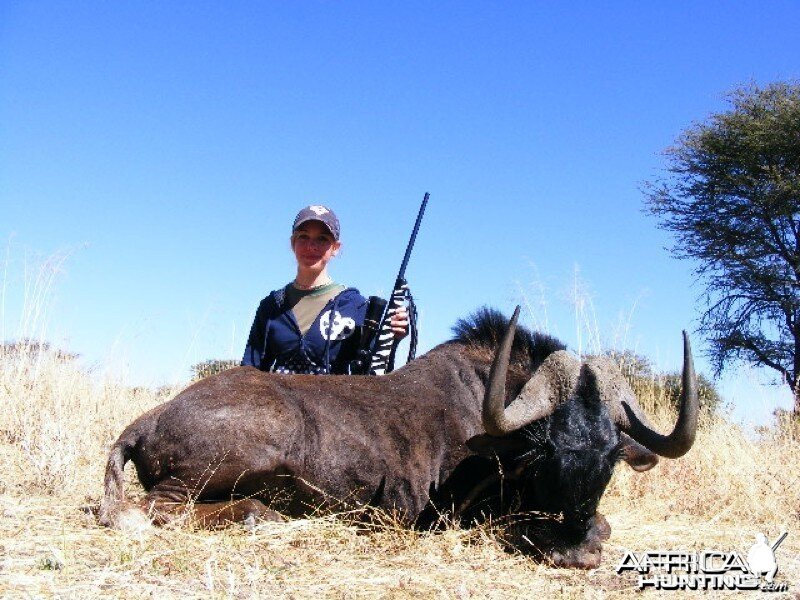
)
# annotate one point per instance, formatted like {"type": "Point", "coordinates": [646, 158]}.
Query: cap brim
{"type": "Point", "coordinates": [306, 220]}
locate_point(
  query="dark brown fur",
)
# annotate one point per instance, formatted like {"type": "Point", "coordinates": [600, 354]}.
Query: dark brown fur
{"type": "Point", "coordinates": [301, 440]}
{"type": "Point", "coordinates": [233, 443]}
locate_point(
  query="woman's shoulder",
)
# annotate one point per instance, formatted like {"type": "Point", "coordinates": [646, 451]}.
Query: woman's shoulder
{"type": "Point", "coordinates": [351, 295]}
{"type": "Point", "coordinates": [273, 300]}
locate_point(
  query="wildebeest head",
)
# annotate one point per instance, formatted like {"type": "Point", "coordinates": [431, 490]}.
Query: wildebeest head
{"type": "Point", "coordinates": [562, 434]}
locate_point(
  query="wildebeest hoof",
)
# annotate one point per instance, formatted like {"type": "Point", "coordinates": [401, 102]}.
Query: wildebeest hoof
{"type": "Point", "coordinates": [125, 516]}
{"type": "Point", "coordinates": [249, 522]}
{"type": "Point", "coordinates": [254, 517]}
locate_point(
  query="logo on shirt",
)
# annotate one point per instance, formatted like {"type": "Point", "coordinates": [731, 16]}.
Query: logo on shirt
{"type": "Point", "coordinates": [341, 327]}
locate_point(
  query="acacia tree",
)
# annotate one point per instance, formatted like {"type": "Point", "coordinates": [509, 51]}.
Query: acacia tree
{"type": "Point", "coordinates": [731, 196]}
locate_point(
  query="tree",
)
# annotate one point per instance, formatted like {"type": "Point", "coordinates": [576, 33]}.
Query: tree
{"type": "Point", "coordinates": [731, 196]}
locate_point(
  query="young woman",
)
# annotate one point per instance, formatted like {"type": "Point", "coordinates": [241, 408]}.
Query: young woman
{"type": "Point", "coordinates": [308, 325]}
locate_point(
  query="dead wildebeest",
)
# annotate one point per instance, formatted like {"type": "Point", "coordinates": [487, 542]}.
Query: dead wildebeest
{"type": "Point", "coordinates": [431, 441]}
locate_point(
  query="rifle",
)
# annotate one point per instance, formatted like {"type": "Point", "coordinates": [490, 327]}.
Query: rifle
{"type": "Point", "coordinates": [378, 342]}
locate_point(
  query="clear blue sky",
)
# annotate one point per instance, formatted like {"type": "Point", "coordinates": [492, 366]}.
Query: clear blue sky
{"type": "Point", "coordinates": [170, 145]}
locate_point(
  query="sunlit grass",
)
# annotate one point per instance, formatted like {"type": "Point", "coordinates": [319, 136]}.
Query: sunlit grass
{"type": "Point", "coordinates": [57, 423]}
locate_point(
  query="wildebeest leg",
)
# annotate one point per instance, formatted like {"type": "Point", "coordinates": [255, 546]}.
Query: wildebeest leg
{"type": "Point", "coordinates": [220, 514]}
{"type": "Point", "coordinates": [457, 496]}
{"type": "Point", "coordinates": [168, 502]}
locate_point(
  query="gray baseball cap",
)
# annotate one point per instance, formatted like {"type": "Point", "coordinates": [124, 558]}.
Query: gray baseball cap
{"type": "Point", "coordinates": [317, 212]}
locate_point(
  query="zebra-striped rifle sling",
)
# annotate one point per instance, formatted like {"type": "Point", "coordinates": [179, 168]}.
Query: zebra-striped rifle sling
{"type": "Point", "coordinates": [385, 344]}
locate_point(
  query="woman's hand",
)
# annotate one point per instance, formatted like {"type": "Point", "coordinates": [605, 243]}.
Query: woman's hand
{"type": "Point", "coordinates": [399, 322]}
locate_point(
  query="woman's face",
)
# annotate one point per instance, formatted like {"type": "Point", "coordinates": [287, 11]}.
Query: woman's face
{"type": "Point", "coordinates": [313, 245]}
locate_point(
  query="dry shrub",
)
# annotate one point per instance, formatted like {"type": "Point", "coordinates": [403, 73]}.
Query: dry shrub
{"type": "Point", "coordinates": [58, 420]}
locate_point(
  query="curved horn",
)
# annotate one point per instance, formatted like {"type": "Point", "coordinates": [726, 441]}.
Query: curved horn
{"type": "Point", "coordinates": [682, 437]}
{"type": "Point", "coordinates": [625, 411]}
{"type": "Point", "coordinates": [551, 384]}
{"type": "Point", "coordinates": [494, 399]}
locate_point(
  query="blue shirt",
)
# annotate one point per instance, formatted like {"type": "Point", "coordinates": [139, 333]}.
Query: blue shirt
{"type": "Point", "coordinates": [276, 343]}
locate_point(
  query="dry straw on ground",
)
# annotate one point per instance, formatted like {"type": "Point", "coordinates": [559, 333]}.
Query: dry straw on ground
{"type": "Point", "coordinates": [57, 422]}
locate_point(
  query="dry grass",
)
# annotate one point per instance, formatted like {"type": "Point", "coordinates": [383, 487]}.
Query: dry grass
{"type": "Point", "coordinates": [56, 424]}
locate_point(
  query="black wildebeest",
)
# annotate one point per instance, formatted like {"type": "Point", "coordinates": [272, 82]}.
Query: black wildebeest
{"type": "Point", "coordinates": [496, 421]}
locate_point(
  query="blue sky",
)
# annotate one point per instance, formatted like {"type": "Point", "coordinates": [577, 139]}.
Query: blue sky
{"type": "Point", "coordinates": [168, 146]}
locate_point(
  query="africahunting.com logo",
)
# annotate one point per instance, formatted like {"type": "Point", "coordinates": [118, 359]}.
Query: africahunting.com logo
{"type": "Point", "coordinates": [709, 569]}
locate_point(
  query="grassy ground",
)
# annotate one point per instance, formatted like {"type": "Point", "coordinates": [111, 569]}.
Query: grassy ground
{"type": "Point", "coordinates": [56, 424]}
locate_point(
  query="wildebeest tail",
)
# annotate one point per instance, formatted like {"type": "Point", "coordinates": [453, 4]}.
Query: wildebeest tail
{"type": "Point", "coordinates": [114, 492]}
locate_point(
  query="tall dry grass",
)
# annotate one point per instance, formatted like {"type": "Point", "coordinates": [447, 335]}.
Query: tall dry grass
{"type": "Point", "coordinates": [56, 419]}
{"type": "Point", "coordinates": [57, 422]}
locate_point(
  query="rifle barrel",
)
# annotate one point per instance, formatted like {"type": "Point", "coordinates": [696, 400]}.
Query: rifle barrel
{"type": "Point", "coordinates": [410, 245]}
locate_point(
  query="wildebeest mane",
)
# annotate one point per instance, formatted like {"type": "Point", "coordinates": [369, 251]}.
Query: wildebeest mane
{"type": "Point", "coordinates": [484, 328]}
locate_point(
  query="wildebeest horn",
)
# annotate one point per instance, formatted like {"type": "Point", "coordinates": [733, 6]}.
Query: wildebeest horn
{"type": "Point", "coordinates": [551, 384]}
{"type": "Point", "coordinates": [635, 422]}
{"type": "Point", "coordinates": [555, 380]}
{"type": "Point", "coordinates": [614, 391]}
{"type": "Point", "coordinates": [494, 399]}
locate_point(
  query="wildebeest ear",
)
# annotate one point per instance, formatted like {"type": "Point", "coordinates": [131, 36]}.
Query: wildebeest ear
{"type": "Point", "coordinates": [637, 456]}
{"type": "Point", "coordinates": [489, 445]}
